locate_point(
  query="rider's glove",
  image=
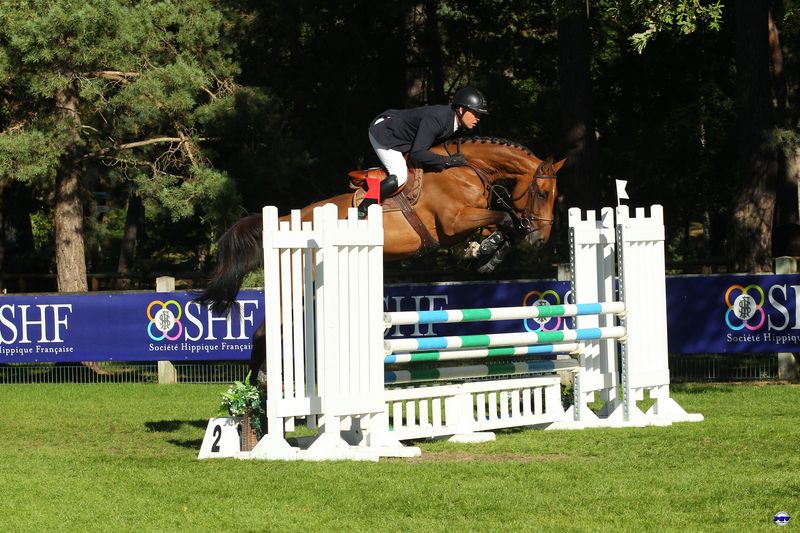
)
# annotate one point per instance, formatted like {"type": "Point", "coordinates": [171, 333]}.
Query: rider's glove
{"type": "Point", "coordinates": [457, 160]}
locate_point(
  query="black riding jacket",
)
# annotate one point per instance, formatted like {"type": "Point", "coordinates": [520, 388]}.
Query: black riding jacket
{"type": "Point", "coordinates": [414, 131]}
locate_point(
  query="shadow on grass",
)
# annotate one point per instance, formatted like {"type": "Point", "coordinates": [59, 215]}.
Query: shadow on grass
{"type": "Point", "coordinates": [168, 426]}
{"type": "Point", "coordinates": [191, 444]}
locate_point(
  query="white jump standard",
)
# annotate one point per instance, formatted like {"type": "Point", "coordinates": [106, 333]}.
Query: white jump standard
{"type": "Point", "coordinates": [326, 353]}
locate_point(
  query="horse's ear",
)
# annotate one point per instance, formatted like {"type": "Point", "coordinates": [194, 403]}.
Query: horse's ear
{"type": "Point", "coordinates": [560, 164]}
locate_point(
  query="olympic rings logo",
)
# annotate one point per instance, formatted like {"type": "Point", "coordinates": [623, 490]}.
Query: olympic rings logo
{"type": "Point", "coordinates": [164, 320]}
{"type": "Point", "coordinates": [541, 298]}
{"type": "Point", "coordinates": [744, 307]}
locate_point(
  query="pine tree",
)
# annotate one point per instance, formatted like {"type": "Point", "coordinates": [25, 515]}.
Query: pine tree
{"type": "Point", "coordinates": [113, 91]}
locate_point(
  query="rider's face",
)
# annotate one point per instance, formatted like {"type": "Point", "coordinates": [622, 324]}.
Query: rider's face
{"type": "Point", "coordinates": [469, 119]}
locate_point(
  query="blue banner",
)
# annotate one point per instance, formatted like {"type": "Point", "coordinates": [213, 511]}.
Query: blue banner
{"type": "Point", "coordinates": [705, 314]}
{"type": "Point", "coordinates": [733, 313]}
{"type": "Point", "coordinates": [124, 327]}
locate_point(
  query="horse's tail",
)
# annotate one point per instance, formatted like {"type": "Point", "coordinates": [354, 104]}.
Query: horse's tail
{"type": "Point", "coordinates": [239, 252]}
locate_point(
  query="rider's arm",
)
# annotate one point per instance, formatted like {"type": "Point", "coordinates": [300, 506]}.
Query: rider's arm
{"type": "Point", "coordinates": [430, 129]}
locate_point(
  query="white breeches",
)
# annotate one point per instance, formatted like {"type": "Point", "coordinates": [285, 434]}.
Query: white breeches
{"type": "Point", "coordinates": [393, 160]}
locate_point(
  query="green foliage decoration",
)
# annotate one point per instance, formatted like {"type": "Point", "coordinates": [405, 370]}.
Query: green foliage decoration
{"type": "Point", "coordinates": [241, 398]}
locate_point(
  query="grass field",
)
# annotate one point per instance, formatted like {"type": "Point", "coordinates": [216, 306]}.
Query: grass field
{"type": "Point", "coordinates": [123, 458]}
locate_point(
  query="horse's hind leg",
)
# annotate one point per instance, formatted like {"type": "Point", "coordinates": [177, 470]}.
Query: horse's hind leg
{"type": "Point", "coordinates": [258, 356]}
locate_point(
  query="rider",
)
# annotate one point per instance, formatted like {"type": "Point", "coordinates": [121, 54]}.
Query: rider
{"type": "Point", "coordinates": [413, 131]}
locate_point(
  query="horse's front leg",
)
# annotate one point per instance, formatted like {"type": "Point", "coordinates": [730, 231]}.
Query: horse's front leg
{"type": "Point", "coordinates": [496, 253]}
{"type": "Point", "coordinates": [495, 246]}
{"type": "Point", "coordinates": [469, 219]}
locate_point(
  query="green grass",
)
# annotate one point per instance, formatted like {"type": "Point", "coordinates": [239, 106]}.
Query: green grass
{"type": "Point", "coordinates": [110, 457]}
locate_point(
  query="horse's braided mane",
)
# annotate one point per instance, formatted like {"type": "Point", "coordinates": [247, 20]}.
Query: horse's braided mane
{"type": "Point", "coordinates": [498, 140]}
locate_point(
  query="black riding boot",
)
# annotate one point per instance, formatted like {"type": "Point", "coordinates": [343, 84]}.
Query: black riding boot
{"type": "Point", "coordinates": [362, 207]}
{"type": "Point", "coordinates": [388, 187]}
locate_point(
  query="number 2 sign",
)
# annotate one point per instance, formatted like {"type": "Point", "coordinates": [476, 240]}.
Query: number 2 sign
{"type": "Point", "coordinates": [221, 439]}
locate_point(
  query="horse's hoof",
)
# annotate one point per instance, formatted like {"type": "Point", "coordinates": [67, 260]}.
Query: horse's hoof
{"type": "Point", "coordinates": [489, 265]}
{"type": "Point", "coordinates": [471, 251]}
{"type": "Point", "coordinates": [486, 267]}
{"type": "Point", "coordinates": [495, 260]}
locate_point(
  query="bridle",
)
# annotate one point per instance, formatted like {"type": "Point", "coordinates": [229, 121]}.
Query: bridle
{"type": "Point", "coordinates": [532, 217]}
{"type": "Point", "coordinates": [526, 221]}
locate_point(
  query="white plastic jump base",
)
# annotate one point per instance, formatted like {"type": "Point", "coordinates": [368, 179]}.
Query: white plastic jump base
{"type": "Point", "coordinates": [473, 407]}
{"type": "Point", "coordinates": [325, 346]}
{"type": "Point", "coordinates": [326, 448]}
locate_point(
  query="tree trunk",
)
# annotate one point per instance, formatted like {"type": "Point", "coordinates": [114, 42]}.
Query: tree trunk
{"type": "Point", "coordinates": [581, 173]}
{"type": "Point", "coordinates": [786, 204]}
{"type": "Point", "coordinates": [127, 252]}
{"type": "Point", "coordinates": [754, 206]}
{"type": "Point", "coordinates": [70, 257]}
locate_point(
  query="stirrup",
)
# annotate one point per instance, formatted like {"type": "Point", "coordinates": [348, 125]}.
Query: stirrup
{"type": "Point", "coordinates": [363, 206]}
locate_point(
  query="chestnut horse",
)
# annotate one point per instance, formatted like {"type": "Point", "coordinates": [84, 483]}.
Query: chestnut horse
{"type": "Point", "coordinates": [504, 188]}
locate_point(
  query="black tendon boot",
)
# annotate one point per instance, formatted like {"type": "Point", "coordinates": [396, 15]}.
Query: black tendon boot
{"type": "Point", "coordinates": [388, 187]}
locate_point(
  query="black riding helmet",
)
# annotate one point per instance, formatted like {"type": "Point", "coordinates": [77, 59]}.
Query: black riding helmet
{"type": "Point", "coordinates": [472, 99]}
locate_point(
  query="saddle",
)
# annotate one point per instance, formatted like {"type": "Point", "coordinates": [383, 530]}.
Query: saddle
{"type": "Point", "coordinates": [403, 200]}
{"type": "Point", "coordinates": [411, 188]}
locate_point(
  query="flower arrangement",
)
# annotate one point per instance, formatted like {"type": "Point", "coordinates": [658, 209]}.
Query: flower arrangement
{"type": "Point", "coordinates": [245, 400]}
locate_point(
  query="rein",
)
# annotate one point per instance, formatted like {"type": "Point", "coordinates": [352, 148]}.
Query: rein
{"type": "Point", "coordinates": [524, 222]}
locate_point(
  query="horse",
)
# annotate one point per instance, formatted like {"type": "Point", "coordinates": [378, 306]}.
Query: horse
{"type": "Point", "coordinates": [504, 188]}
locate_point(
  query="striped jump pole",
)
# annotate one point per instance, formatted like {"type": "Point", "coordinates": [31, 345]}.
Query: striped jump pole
{"type": "Point", "coordinates": [476, 371]}
{"type": "Point", "coordinates": [478, 353]}
{"type": "Point", "coordinates": [401, 318]}
{"type": "Point", "coordinates": [500, 339]}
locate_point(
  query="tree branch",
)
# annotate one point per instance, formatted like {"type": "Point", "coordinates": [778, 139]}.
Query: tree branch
{"type": "Point", "coordinates": [12, 128]}
{"type": "Point", "coordinates": [115, 75]}
{"type": "Point", "coordinates": [146, 142]}
{"type": "Point", "coordinates": [156, 140]}
{"type": "Point", "coordinates": [186, 145]}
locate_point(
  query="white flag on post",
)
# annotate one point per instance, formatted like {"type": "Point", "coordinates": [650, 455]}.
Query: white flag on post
{"type": "Point", "coordinates": [621, 194]}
